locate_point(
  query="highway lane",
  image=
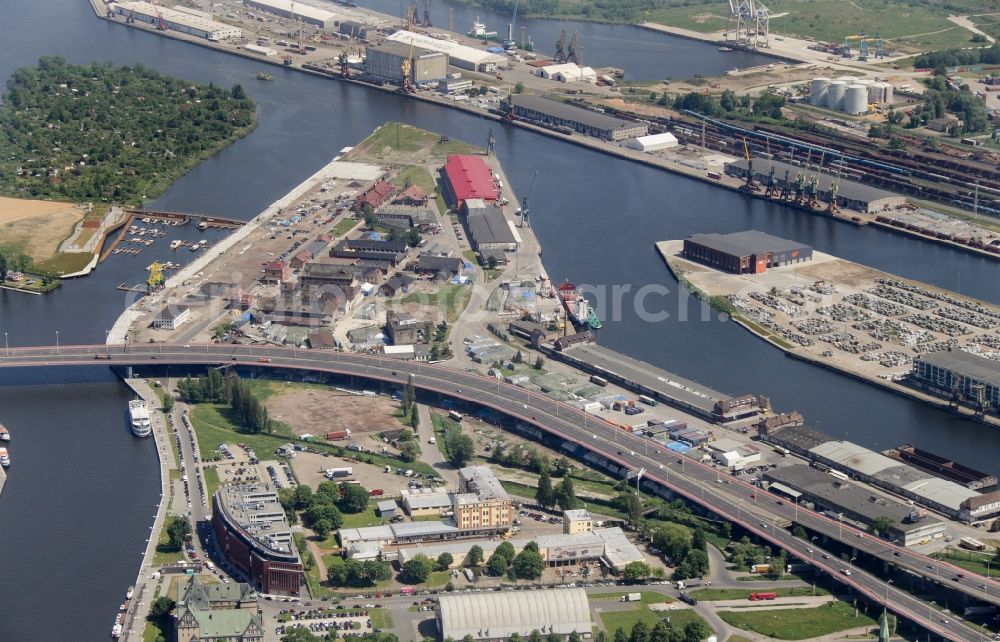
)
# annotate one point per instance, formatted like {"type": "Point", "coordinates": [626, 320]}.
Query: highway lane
{"type": "Point", "coordinates": [702, 484]}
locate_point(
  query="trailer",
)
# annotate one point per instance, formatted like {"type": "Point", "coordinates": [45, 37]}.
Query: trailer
{"type": "Point", "coordinates": [972, 544]}
{"type": "Point", "coordinates": [754, 597]}
{"type": "Point", "coordinates": [332, 473]}
{"type": "Point", "coordinates": [457, 416]}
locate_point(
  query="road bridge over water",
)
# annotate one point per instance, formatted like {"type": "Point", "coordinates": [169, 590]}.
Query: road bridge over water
{"type": "Point", "coordinates": [666, 472]}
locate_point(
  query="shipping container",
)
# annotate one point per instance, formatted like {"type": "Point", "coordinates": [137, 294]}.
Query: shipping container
{"type": "Point", "coordinates": [338, 435]}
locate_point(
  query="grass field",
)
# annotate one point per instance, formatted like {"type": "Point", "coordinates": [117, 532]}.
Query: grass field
{"type": "Point", "coordinates": [214, 425]}
{"type": "Point", "coordinates": [211, 480]}
{"type": "Point", "coordinates": [343, 226]}
{"type": "Point", "coordinates": [165, 554]}
{"type": "Point", "coordinates": [449, 299]}
{"type": "Point", "coordinates": [798, 624]}
{"type": "Point", "coordinates": [65, 263]}
{"type": "Point", "coordinates": [902, 23]}
{"type": "Point", "coordinates": [648, 597]}
{"type": "Point", "coordinates": [970, 561]}
{"type": "Point", "coordinates": [416, 175]}
{"type": "Point", "coordinates": [151, 633]}
{"type": "Point", "coordinates": [364, 518]}
{"type": "Point", "coordinates": [381, 619]}
{"type": "Point", "coordinates": [712, 594]}
{"type": "Point", "coordinates": [395, 137]}
{"type": "Point", "coordinates": [625, 620]}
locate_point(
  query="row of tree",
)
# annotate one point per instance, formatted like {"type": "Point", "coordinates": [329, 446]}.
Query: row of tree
{"type": "Point", "coordinates": [939, 60]}
{"type": "Point", "coordinates": [229, 389]}
{"type": "Point", "coordinates": [727, 104]}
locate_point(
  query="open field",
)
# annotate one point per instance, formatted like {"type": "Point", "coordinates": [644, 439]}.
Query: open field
{"type": "Point", "coordinates": [401, 143]}
{"type": "Point", "coordinates": [798, 624]}
{"type": "Point", "coordinates": [625, 620]}
{"type": "Point", "coordinates": [449, 300]}
{"type": "Point", "coordinates": [37, 227]}
{"type": "Point", "coordinates": [982, 563]}
{"type": "Point", "coordinates": [317, 410]}
{"type": "Point", "coordinates": [718, 594]}
{"type": "Point", "coordinates": [416, 175]}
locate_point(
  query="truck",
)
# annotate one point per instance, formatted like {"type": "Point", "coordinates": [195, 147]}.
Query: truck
{"type": "Point", "coordinates": [781, 450]}
{"type": "Point", "coordinates": [762, 596]}
{"type": "Point", "coordinates": [469, 575]}
{"type": "Point", "coordinates": [760, 568]}
{"type": "Point", "coordinates": [972, 544]}
{"type": "Point", "coordinates": [338, 435]}
{"type": "Point", "coordinates": [680, 585]}
{"type": "Point", "coordinates": [688, 599]}
{"type": "Point", "coordinates": [332, 473]}
{"type": "Point", "coordinates": [632, 597]}
{"type": "Point", "coordinates": [406, 590]}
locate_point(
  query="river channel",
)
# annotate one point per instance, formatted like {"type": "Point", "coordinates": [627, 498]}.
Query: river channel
{"type": "Point", "coordinates": [81, 493]}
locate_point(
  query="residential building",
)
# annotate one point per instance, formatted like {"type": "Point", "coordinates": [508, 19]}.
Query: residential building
{"type": "Point", "coordinates": [171, 317]}
{"type": "Point", "coordinates": [276, 272]}
{"type": "Point", "coordinates": [376, 195]}
{"type": "Point", "coordinates": [412, 195]}
{"type": "Point", "coordinates": [300, 258]}
{"type": "Point", "coordinates": [576, 521]}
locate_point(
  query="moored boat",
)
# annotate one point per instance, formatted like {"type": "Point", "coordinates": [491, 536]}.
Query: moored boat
{"type": "Point", "coordinates": [4, 458]}
{"type": "Point", "coordinates": [4, 433]}
{"type": "Point", "coordinates": [139, 416]}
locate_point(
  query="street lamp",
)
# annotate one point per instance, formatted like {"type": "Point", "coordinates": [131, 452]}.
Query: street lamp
{"type": "Point", "coordinates": [6, 346]}
{"type": "Point", "coordinates": [57, 342]}
{"type": "Point", "coordinates": [849, 562]}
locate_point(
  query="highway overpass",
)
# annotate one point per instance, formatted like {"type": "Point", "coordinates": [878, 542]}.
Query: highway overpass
{"type": "Point", "coordinates": [725, 496]}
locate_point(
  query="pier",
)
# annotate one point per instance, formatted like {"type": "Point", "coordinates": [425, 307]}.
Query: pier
{"type": "Point", "coordinates": [182, 218]}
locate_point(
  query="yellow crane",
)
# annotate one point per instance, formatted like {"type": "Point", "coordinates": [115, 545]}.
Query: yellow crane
{"type": "Point", "coordinates": [155, 279]}
{"type": "Point", "coordinates": [407, 67]}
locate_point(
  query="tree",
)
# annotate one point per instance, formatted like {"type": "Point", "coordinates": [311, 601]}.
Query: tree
{"type": "Point", "coordinates": [620, 635]}
{"type": "Point", "coordinates": [674, 540]}
{"type": "Point", "coordinates": [640, 632]}
{"type": "Point", "coordinates": [728, 100]}
{"type": "Point", "coordinates": [553, 637]}
{"type": "Point", "coordinates": [696, 631]}
{"type": "Point", "coordinates": [301, 496]}
{"type": "Point", "coordinates": [539, 362]}
{"type": "Point", "coordinates": [370, 219]}
{"type": "Point", "coordinates": [636, 571]}
{"type": "Point", "coordinates": [178, 530]}
{"type": "Point", "coordinates": [409, 450]}
{"type": "Point", "coordinates": [475, 557]}
{"type": "Point", "coordinates": [602, 636]}
{"type": "Point", "coordinates": [566, 497]}
{"type": "Point", "coordinates": [238, 92]}
{"type": "Point", "coordinates": [322, 528]}
{"type": "Point", "coordinates": [497, 565]}
{"type": "Point", "coordinates": [574, 637]}
{"type": "Point", "coordinates": [777, 567]}
{"type": "Point", "coordinates": [418, 569]}
{"type": "Point", "coordinates": [534, 636]}
{"type": "Point", "coordinates": [444, 561]}
{"type": "Point", "coordinates": [519, 87]}
{"type": "Point", "coordinates": [160, 609]}
{"type": "Point", "coordinates": [168, 402]}
{"type": "Point", "coordinates": [882, 525]}
{"type": "Point", "coordinates": [298, 634]}
{"type": "Point", "coordinates": [545, 495]}
{"type": "Point", "coordinates": [460, 448]}
{"type": "Point", "coordinates": [319, 509]}
{"type": "Point", "coordinates": [528, 565]}
{"type": "Point", "coordinates": [354, 499]}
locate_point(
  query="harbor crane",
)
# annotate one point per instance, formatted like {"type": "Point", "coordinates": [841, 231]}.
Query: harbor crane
{"type": "Point", "coordinates": [427, 14]}
{"type": "Point", "coordinates": [561, 47]}
{"type": "Point", "coordinates": [406, 84]}
{"type": "Point", "coordinates": [509, 44]}
{"type": "Point", "coordinates": [524, 212]}
{"type": "Point", "coordinates": [411, 15]}
{"type": "Point", "coordinates": [750, 185]}
{"type": "Point", "coordinates": [161, 24]}
{"type": "Point", "coordinates": [753, 23]}
{"type": "Point", "coordinates": [574, 52]}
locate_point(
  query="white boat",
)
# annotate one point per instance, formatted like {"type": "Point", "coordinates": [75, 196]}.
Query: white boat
{"type": "Point", "coordinates": [116, 631]}
{"type": "Point", "coordinates": [4, 458]}
{"type": "Point", "coordinates": [139, 415]}
{"type": "Point", "coordinates": [479, 30]}
{"type": "Point", "coordinates": [4, 433]}
{"type": "Point", "coordinates": [129, 592]}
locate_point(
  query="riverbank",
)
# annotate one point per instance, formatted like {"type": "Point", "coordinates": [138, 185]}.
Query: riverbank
{"type": "Point", "coordinates": [612, 149]}
{"type": "Point", "coordinates": [705, 284]}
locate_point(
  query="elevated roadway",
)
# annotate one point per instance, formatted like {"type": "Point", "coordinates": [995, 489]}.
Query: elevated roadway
{"type": "Point", "coordinates": [754, 510]}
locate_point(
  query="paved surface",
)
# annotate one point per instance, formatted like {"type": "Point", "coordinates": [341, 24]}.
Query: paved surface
{"type": "Point", "coordinates": [697, 482]}
{"type": "Point", "coordinates": [430, 453]}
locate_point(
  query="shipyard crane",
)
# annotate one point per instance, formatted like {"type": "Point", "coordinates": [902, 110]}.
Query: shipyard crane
{"type": "Point", "coordinates": [161, 24]}
{"type": "Point", "coordinates": [523, 212]}
{"type": "Point", "coordinates": [406, 85]}
{"type": "Point", "coordinates": [835, 188]}
{"type": "Point", "coordinates": [509, 44]}
{"type": "Point", "coordinates": [411, 15]}
{"type": "Point", "coordinates": [753, 23]}
{"type": "Point", "coordinates": [772, 182]}
{"type": "Point", "coordinates": [573, 53]}
{"type": "Point", "coordinates": [749, 185]}
{"type": "Point", "coordinates": [561, 47]}
{"type": "Point", "coordinates": [427, 14]}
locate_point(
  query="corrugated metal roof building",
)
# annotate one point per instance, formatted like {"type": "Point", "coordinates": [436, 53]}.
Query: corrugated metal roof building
{"type": "Point", "coordinates": [468, 177]}
{"type": "Point", "coordinates": [500, 615]}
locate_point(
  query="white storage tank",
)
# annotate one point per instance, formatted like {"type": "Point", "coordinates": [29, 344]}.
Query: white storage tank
{"type": "Point", "coordinates": [817, 91]}
{"type": "Point", "coordinates": [835, 94]}
{"type": "Point", "coordinates": [856, 100]}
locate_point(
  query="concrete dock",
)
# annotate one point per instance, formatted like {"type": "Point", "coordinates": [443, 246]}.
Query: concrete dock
{"type": "Point", "coordinates": [3, 479]}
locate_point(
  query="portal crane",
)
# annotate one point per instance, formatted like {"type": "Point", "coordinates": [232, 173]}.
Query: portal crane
{"type": "Point", "coordinates": [523, 212]}
{"type": "Point", "coordinates": [750, 185]}
{"type": "Point", "coordinates": [427, 14]}
{"type": "Point", "coordinates": [509, 44]}
{"type": "Point", "coordinates": [561, 47]}
{"type": "Point", "coordinates": [406, 85]}
{"type": "Point", "coordinates": [161, 24]}
{"type": "Point", "coordinates": [573, 53]}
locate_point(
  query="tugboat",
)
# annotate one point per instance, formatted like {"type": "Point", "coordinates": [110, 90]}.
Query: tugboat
{"type": "Point", "coordinates": [262, 76]}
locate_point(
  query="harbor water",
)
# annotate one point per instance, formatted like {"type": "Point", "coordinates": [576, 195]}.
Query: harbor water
{"type": "Point", "coordinates": [82, 492]}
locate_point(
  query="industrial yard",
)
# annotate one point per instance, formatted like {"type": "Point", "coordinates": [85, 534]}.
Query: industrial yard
{"type": "Point", "coordinates": [846, 315]}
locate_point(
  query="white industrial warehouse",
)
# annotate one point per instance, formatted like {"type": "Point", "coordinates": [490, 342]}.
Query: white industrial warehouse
{"type": "Point", "coordinates": [297, 11]}
{"type": "Point", "coordinates": [500, 615]}
{"type": "Point", "coordinates": [568, 72]}
{"type": "Point", "coordinates": [183, 20]}
{"type": "Point", "coordinates": [653, 142]}
{"type": "Point", "coordinates": [458, 55]}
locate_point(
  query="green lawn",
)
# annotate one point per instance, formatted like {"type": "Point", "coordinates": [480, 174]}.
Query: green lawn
{"type": "Point", "coordinates": [381, 619]}
{"type": "Point", "coordinates": [648, 597]}
{"type": "Point", "coordinates": [452, 299]}
{"type": "Point", "coordinates": [798, 624]}
{"type": "Point", "coordinates": [165, 554]}
{"type": "Point", "coordinates": [211, 480]}
{"type": "Point", "coordinates": [364, 518]}
{"type": "Point", "coordinates": [970, 561]}
{"type": "Point", "coordinates": [151, 633]}
{"type": "Point", "coordinates": [416, 175]}
{"type": "Point", "coordinates": [625, 620]}
{"type": "Point", "coordinates": [400, 137]}
{"type": "Point", "coordinates": [213, 424]}
{"type": "Point", "coordinates": [712, 594]}
{"type": "Point", "coordinates": [344, 226]}
{"type": "Point", "coordinates": [65, 263]}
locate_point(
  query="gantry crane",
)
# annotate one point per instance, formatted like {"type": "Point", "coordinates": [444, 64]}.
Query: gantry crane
{"type": "Point", "coordinates": [407, 67]}
{"type": "Point", "coordinates": [573, 53]}
{"type": "Point", "coordinates": [753, 23]}
{"type": "Point", "coordinates": [427, 14]}
{"type": "Point", "coordinates": [561, 47]}
{"type": "Point", "coordinates": [750, 185]}
{"type": "Point", "coordinates": [864, 45]}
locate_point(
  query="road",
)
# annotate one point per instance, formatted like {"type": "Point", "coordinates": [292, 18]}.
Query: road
{"type": "Point", "coordinates": [430, 453]}
{"type": "Point", "coordinates": [728, 497]}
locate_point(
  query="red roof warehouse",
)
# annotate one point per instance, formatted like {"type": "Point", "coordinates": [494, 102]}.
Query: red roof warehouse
{"type": "Point", "coordinates": [468, 177]}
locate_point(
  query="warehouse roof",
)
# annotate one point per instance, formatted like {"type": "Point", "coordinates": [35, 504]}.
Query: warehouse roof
{"type": "Point", "coordinates": [854, 456]}
{"type": "Point", "coordinates": [490, 226]}
{"type": "Point", "coordinates": [500, 615]}
{"type": "Point", "coordinates": [432, 500]}
{"type": "Point", "coordinates": [746, 242]}
{"type": "Point", "coordinates": [204, 22]}
{"type": "Point", "coordinates": [941, 491]}
{"type": "Point", "coordinates": [565, 111]}
{"type": "Point", "coordinates": [403, 50]}
{"type": "Point", "coordinates": [470, 177]}
{"type": "Point", "coordinates": [301, 9]}
{"type": "Point", "coordinates": [964, 363]}
{"type": "Point", "coordinates": [802, 436]}
{"type": "Point", "coordinates": [453, 49]}
{"type": "Point", "coordinates": [848, 189]}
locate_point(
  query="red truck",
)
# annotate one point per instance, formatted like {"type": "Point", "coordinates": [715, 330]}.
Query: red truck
{"type": "Point", "coordinates": [762, 596]}
{"type": "Point", "coordinates": [337, 435]}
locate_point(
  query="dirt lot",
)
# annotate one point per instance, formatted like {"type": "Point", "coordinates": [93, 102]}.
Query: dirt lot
{"type": "Point", "coordinates": [38, 226]}
{"type": "Point", "coordinates": [309, 469]}
{"type": "Point", "coordinates": [317, 411]}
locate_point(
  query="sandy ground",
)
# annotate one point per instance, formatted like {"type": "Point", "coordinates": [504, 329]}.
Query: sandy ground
{"type": "Point", "coordinates": [309, 469]}
{"type": "Point", "coordinates": [316, 411]}
{"type": "Point", "coordinates": [40, 226]}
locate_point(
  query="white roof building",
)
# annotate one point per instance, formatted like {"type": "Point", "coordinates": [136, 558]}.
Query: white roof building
{"type": "Point", "coordinates": [458, 55]}
{"type": "Point", "coordinates": [568, 72]}
{"type": "Point", "coordinates": [296, 10]}
{"type": "Point", "coordinates": [500, 615]}
{"type": "Point", "coordinates": [653, 142]}
{"type": "Point", "coordinates": [203, 26]}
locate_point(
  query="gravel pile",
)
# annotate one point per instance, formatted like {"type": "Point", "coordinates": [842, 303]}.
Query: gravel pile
{"type": "Point", "coordinates": [935, 324]}
{"type": "Point", "coordinates": [878, 306]}
{"type": "Point", "coordinates": [903, 296]}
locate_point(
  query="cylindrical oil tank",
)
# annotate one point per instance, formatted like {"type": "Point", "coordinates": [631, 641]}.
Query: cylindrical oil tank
{"type": "Point", "coordinates": [856, 100]}
{"type": "Point", "coordinates": [835, 94]}
{"type": "Point", "coordinates": [817, 91]}
{"type": "Point", "coordinates": [875, 92]}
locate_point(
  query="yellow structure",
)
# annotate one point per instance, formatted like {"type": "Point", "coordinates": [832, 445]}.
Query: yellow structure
{"type": "Point", "coordinates": [577, 521]}
{"type": "Point", "coordinates": [481, 501]}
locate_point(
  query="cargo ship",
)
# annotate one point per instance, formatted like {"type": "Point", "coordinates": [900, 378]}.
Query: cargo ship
{"type": "Point", "coordinates": [4, 433]}
{"type": "Point", "coordinates": [578, 309]}
{"type": "Point", "coordinates": [4, 458]}
{"type": "Point", "coordinates": [139, 417]}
